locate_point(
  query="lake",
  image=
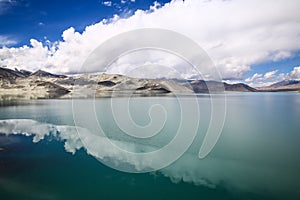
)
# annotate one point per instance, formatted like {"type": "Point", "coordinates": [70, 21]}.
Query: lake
{"type": "Point", "coordinates": [85, 148]}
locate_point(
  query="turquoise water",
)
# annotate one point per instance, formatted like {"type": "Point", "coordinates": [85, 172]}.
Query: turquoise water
{"type": "Point", "coordinates": [256, 156]}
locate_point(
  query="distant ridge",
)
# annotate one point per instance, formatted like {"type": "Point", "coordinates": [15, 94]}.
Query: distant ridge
{"type": "Point", "coordinates": [15, 84]}
{"type": "Point", "coordinates": [10, 74]}
{"type": "Point", "coordinates": [24, 72]}
{"type": "Point", "coordinates": [282, 86]}
{"type": "Point", "coordinates": [41, 73]}
{"type": "Point", "coordinates": [42, 84]}
{"type": "Point", "coordinates": [239, 87]}
{"type": "Point", "coordinates": [285, 83]}
{"type": "Point", "coordinates": [201, 86]}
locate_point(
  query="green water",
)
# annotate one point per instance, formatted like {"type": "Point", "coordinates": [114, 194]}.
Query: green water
{"type": "Point", "coordinates": [256, 156]}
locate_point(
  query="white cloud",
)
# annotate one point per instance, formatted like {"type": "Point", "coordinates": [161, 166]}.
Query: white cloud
{"type": "Point", "coordinates": [236, 34]}
{"type": "Point", "coordinates": [4, 41]}
{"type": "Point", "coordinates": [295, 74]}
{"type": "Point", "coordinates": [270, 74]}
{"type": "Point", "coordinates": [25, 57]}
{"type": "Point", "coordinates": [253, 78]}
{"type": "Point", "coordinates": [269, 78]}
{"type": "Point", "coordinates": [281, 55]}
{"type": "Point", "coordinates": [107, 3]}
{"type": "Point", "coordinates": [125, 1]}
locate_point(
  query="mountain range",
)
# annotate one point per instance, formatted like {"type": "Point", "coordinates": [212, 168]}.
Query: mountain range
{"type": "Point", "coordinates": [285, 85]}
{"type": "Point", "coordinates": [41, 84]}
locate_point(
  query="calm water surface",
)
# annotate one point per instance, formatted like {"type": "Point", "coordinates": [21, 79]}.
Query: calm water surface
{"type": "Point", "coordinates": [256, 157]}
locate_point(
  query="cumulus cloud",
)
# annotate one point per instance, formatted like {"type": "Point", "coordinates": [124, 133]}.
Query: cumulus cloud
{"type": "Point", "coordinates": [236, 34]}
{"type": "Point", "coordinates": [27, 57]}
{"type": "Point", "coordinates": [295, 74]}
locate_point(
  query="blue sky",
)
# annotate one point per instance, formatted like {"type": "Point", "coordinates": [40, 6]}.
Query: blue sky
{"type": "Point", "coordinates": [251, 41]}
{"type": "Point", "coordinates": [22, 20]}
{"type": "Point", "coordinates": [283, 66]}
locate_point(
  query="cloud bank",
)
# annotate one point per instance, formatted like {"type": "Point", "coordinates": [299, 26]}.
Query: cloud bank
{"type": "Point", "coordinates": [236, 35]}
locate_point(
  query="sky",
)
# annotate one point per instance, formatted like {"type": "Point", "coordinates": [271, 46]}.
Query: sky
{"type": "Point", "coordinates": [251, 41]}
